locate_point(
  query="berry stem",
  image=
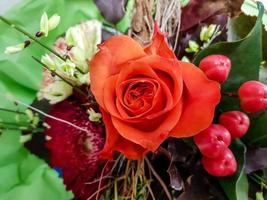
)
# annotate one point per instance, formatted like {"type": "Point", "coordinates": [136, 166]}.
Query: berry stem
{"type": "Point", "coordinates": [229, 94]}
{"type": "Point", "coordinates": [30, 37]}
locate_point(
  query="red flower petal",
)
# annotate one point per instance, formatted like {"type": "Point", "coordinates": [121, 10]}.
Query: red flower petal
{"type": "Point", "coordinates": [114, 52]}
{"type": "Point", "coordinates": [159, 46]}
{"type": "Point", "coordinates": [201, 96]}
{"type": "Point", "coordinates": [114, 142]}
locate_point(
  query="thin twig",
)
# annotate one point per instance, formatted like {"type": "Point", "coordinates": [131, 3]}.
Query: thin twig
{"type": "Point", "coordinates": [99, 190]}
{"type": "Point", "coordinates": [101, 177]}
{"type": "Point", "coordinates": [163, 185]}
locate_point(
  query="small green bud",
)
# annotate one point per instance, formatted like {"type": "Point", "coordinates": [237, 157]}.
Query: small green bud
{"type": "Point", "coordinates": [25, 138]}
{"type": "Point", "coordinates": [193, 47]}
{"type": "Point", "coordinates": [185, 59]}
{"type": "Point", "coordinates": [29, 114]}
{"type": "Point", "coordinates": [94, 116]}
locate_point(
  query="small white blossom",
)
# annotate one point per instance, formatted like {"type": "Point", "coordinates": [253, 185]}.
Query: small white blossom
{"type": "Point", "coordinates": [49, 62]}
{"type": "Point", "coordinates": [55, 92]}
{"type": "Point", "coordinates": [84, 79]}
{"type": "Point", "coordinates": [68, 67]}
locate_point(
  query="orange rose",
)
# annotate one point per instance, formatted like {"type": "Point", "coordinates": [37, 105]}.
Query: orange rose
{"type": "Point", "coordinates": [146, 95]}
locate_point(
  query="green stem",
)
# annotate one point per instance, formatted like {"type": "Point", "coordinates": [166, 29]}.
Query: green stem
{"type": "Point", "coordinates": [115, 190]}
{"type": "Point", "coordinates": [13, 124]}
{"type": "Point", "coordinates": [12, 111]}
{"type": "Point", "coordinates": [38, 130]}
{"type": "Point", "coordinates": [258, 181]}
{"type": "Point", "coordinates": [31, 37]}
{"type": "Point", "coordinates": [74, 86]}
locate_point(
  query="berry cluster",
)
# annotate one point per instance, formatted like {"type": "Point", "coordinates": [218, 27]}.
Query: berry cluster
{"type": "Point", "coordinates": [214, 142]}
{"type": "Point", "coordinates": [252, 94]}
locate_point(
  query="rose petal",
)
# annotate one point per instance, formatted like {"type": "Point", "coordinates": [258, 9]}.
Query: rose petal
{"type": "Point", "coordinates": [113, 52]}
{"type": "Point", "coordinates": [201, 96]}
{"type": "Point", "coordinates": [149, 139]}
{"type": "Point", "coordinates": [166, 71]}
{"type": "Point", "coordinates": [114, 142]}
{"type": "Point", "coordinates": [159, 46]}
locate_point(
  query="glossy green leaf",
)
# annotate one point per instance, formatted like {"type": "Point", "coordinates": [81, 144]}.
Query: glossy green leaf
{"type": "Point", "coordinates": [257, 134]}
{"type": "Point", "coordinates": [236, 186]}
{"type": "Point", "coordinates": [249, 7]}
{"type": "Point", "coordinates": [24, 176]}
{"type": "Point", "coordinates": [245, 55]}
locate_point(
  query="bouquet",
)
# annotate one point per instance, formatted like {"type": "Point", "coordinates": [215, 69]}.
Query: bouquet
{"type": "Point", "coordinates": [133, 100]}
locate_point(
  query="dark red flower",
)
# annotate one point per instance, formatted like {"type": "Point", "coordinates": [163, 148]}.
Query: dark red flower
{"type": "Point", "coordinates": [74, 150]}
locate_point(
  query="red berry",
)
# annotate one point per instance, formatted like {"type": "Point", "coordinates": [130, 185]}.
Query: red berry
{"type": "Point", "coordinates": [253, 96]}
{"type": "Point", "coordinates": [216, 67]}
{"type": "Point", "coordinates": [213, 140]}
{"type": "Point", "coordinates": [236, 122]}
{"type": "Point", "coordinates": [223, 165]}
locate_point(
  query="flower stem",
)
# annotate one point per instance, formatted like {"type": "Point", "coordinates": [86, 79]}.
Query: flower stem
{"type": "Point", "coordinates": [163, 185]}
{"type": "Point", "coordinates": [12, 111]}
{"type": "Point", "coordinates": [31, 37]}
{"type": "Point", "coordinates": [52, 71]}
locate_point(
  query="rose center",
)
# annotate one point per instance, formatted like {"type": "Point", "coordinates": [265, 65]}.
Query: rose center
{"type": "Point", "coordinates": [139, 95]}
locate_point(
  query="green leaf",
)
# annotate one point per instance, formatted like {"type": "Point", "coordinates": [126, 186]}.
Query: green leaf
{"type": "Point", "coordinates": [257, 134]}
{"type": "Point", "coordinates": [20, 75]}
{"type": "Point", "coordinates": [24, 176]}
{"type": "Point", "coordinates": [246, 56]}
{"type": "Point", "coordinates": [239, 27]}
{"type": "Point", "coordinates": [236, 186]}
{"type": "Point", "coordinates": [125, 22]}
{"type": "Point", "coordinates": [249, 7]}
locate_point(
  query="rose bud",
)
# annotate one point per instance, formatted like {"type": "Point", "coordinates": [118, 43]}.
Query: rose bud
{"type": "Point", "coordinates": [253, 96]}
{"type": "Point", "coordinates": [223, 165]}
{"type": "Point", "coordinates": [216, 67]}
{"type": "Point", "coordinates": [213, 140]}
{"type": "Point", "coordinates": [236, 122]}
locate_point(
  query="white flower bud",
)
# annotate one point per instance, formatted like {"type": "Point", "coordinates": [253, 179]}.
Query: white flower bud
{"type": "Point", "coordinates": [48, 24]}
{"type": "Point", "coordinates": [44, 24]}
{"type": "Point", "coordinates": [48, 61]}
{"type": "Point", "coordinates": [15, 49]}
{"type": "Point", "coordinates": [53, 22]}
